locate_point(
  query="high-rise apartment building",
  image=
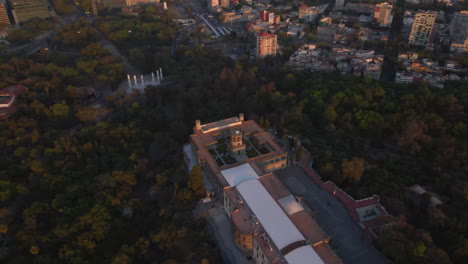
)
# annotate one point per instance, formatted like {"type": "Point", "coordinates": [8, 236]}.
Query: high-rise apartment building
{"type": "Point", "coordinates": [264, 15]}
{"type": "Point", "coordinates": [458, 26]}
{"type": "Point", "coordinates": [4, 20]}
{"type": "Point", "coordinates": [383, 14]}
{"type": "Point", "coordinates": [269, 17]}
{"type": "Point", "coordinates": [266, 44]}
{"type": "Point", "coordinates": [307, 13]}
{"type": "Point", "coordinates": [23, 10]}
{"type": "Point", "coordinates": [212, 3]}
{"type": "Point", "coordinates": [224, 3]}
{"type": "Point", "coordinates": [461, 44]}
{"type": "Point", "coordinates": [422, 29]}
{"type": "Point", "coordinates": [339, 3]}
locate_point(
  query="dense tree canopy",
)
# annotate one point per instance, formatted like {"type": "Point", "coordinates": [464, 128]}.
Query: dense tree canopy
{"type": "Point", "coordinates": [78, 178]}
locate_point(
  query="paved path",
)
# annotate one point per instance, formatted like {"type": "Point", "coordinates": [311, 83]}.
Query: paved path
{"type": "Point", "coordinates": [220, 227]}
{"type": "Point", "coordinates": [347, 237]}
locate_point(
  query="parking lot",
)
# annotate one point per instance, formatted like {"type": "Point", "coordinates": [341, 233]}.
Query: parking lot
{"type": "Point", "coordinates": [347, 237]}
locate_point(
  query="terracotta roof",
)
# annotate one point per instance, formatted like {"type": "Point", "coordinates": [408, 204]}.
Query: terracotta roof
{"type": "Point", "coordinates": [203, 140]}
{"type": "Point", "coordinates": [13, 91]}
{"type": "Point", "coordinates": [17, 89]}
{"type": "Point", "coordinates": [6, 97]}
{"type": "Point", "coordinates": [276, 189]}
{"type": "Point", "coordinates": [241, 218]}
{"type": "Point", "coordinates": [265, 34]}
{"type": "Point", "coordinates": [266, 136]}
{"type": "Point", "coordinates": [308, 227]}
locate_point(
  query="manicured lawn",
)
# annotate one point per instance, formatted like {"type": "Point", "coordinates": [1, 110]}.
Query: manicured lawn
{"type": "Point", "coordinates": [229, 159]}
{"type": "Point", "coordinates": [222, 148]}
{"type": "Point", "coordinates": [264, 150]}
{"type": "Point", "coordinates": [252, 153]}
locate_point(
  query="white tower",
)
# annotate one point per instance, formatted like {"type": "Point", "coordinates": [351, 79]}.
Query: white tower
{"type": "Point", "coordinates": [339, 3]}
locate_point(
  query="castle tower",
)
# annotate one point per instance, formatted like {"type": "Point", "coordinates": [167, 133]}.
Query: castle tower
{"type": "Point", "coordinates": [237, 144]}
{"type": "Point", "coordinates": [241, 117]}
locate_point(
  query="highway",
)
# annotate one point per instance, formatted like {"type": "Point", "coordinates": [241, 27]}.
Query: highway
{"type": "Point", "coordinates": [219, 29]}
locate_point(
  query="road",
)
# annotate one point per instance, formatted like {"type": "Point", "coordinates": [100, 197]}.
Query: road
{"type": "Point", "coordinates": [80, 13]}
{"type": "Point", "coordinates": [201, 14]}
{"type": "Point", "coordinates": [347, 237]}
{"type": "Point", "coordinates": [220, 227]}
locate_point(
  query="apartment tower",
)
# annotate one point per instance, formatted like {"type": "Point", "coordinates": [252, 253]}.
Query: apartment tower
{"type": "Point", "coordinates": [266, 44]}
{"type": "Point", "coordinates": [4, 20]}
{"type": "Point", "coordinates": [339, 3]}
{"type": "Point", "coordinates": [224, 3]}
{"type": "Point", "coordinates": [23, 10]}
{"type": "Point", "coordinates": [422, 29]}
{"type": "Point", "coordinates": [383, 13]}
{"type": "Point", "coordinates": [212, 3]}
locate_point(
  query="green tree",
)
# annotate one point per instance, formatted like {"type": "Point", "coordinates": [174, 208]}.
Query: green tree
{"type": "Point", "coordinates": [60, 110]}
{"type": "Point", "coordinates": [289, 82]}
{"type": "Point", "coordinates": [330, 114]}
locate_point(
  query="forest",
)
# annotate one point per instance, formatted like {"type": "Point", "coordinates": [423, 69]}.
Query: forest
{"type": "Point", "coordinates": [106, 183]}
{"type": "Point", "coordinates": [79, 182]}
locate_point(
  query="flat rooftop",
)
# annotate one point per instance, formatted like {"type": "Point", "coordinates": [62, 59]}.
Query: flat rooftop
{"type": "Point", "coordinates": [279, 202]}
{"type": "Point", "coordinates": [210, 142]}
{"type": "Point", "coordinates": [303, 255]}
{"type": "Point", "coordinates": [274, 221]}
{"type": "Point", "coordinates": [210, 127]}
{"type": "Point", "coordinates": [290, 205]}
{"type": "Point", "coordinates": [239, 174]}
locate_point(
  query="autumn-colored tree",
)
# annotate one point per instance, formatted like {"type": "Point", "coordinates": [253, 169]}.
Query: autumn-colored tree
{"type": "Point", "coordinates": [413, 135]}
{"type": "Point", "coordinates": [353, 169]}
{"type": "Point", "coordinates": [196, 179]}
{"type": "Point", "coordinates": [299, 153]}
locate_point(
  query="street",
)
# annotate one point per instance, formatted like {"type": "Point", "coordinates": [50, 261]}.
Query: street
{"type": "Point", "coordinates": [220, 228]}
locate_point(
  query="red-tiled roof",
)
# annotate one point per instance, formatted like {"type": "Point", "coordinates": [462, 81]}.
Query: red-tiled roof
{"type": "Point", "coordinates": [265, 34]}
{"type": "Point", "coordinates": [13, 91]}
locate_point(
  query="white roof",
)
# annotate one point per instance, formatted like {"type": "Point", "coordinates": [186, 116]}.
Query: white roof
{"type": "Point", "coordinates": [418, 189]}
{"type": "Point", "coordinates": [239, 174]}
{"type": "Point", "coordinates": [274, 221]}
{"type": "Point", "coordinates": [303, 255]}
{"type": "Point", "coordinates": [290, 205]}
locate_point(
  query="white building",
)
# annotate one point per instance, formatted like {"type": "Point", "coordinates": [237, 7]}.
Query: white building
{"type": "Point", "coordinates": [307, 13]}
{"type": "Point", "coordinates": [339, 3]}
{"type": "Point", "coordinates": [383, 14]}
